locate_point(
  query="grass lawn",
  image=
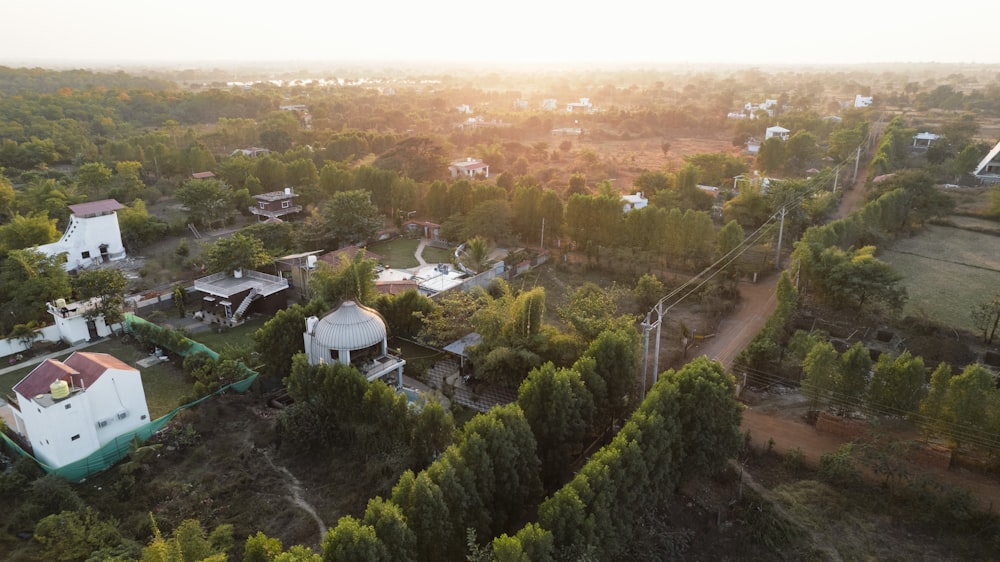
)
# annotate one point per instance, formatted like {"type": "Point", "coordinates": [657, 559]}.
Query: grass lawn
{"type": "Point", "coordinates": [164, 384]}
{"type": "Point", "coordinates": [239, 335]}
{"type": "Point", "coordinates": [946, 272]}
{"type": "Point", "coordinates": [437, 255]}
{"type": "Point", "coordinates": [398, 253]}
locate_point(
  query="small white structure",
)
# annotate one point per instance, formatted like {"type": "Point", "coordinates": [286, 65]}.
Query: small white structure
{"type": "Point", "coordinates": [353, 335]}
{"type": "Point", "coordinates": [582, 106]}
{"type": "Point", "coordinates": [73, 322]}
{"type": "Point", "coordinates": [776, 131]}
{"type": "Point", "coordinates": [630, 202]}
{"type": "Point", "coordinates": [988, 170]}
{"type": "Point", "coordinates": [923, 141]}
{"type": "Point", "coordinates": [469, 168]}
{"type": "Point", "coordinates": [549, 104]}
{"type": "Point", "coordinates": [862, 101]}
{"type": "Point", "coordinates": [464, 108]}
{"type": "Point", "coordinates": [92, 236]}
{"type": "Point", "coordinates": [67, 410]}
{"type": "Point", "coordinates": [753, 145]}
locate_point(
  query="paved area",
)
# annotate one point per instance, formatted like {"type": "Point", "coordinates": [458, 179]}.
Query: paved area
{"type": "Point", "coordinates": [444, 376]}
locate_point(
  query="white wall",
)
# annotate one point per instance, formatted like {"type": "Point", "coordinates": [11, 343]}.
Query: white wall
{"type": "Point", "coordinates": [12, 347]}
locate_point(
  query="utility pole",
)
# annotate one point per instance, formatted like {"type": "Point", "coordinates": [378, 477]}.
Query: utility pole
{"type": "Point", "coordinates": [781, 232]}
{"type": "Point", "coordinates": [857, 160]}
{"type": "Point", "coordinates": [836, 175]}
{"type": "Point", "coordinates": [542, 243]}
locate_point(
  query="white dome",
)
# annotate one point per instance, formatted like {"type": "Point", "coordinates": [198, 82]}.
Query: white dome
{"type": "Point", "coordinates": [351, 326]}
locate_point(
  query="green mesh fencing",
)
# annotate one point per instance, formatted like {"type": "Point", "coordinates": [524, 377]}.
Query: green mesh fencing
{"type": "Point", "coordinates": [117, 449]}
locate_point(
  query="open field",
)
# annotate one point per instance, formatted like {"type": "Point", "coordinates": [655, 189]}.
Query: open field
{"type": "Point", "coordinates": [164, 384]}
{"type": "Point", "coordinates": [946, 272]}
{"type": "Point", "coordinates": [437, 255]}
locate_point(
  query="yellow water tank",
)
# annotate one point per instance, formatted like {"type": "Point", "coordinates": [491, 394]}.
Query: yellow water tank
{"type": "Point", "coordinates": [59, 389]}
{"type": "Point", "coordinates": [60, 303]}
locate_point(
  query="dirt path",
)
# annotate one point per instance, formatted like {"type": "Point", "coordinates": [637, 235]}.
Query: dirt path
{"type": "Point", "coordinates": [296, 496]}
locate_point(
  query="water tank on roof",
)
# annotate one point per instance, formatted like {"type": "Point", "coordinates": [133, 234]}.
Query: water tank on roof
{"type": "Point", "coordinates": [59, 389]}
{"type": "Point", "coordinates": [310, 262]}
{"type": "Point", "coordinates": [60, 303]}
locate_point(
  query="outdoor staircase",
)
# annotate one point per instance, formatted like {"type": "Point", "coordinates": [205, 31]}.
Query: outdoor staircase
{"type": "Point", "coordinates": [246, 302]}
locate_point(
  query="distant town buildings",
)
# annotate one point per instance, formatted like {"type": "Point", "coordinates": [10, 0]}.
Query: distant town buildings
{"type": "Point", "coordinates": [863, 101]}
{"type": "Point", "coordinates": [469, 168]}
{"type": "Point", "coordinates": [632, 202]}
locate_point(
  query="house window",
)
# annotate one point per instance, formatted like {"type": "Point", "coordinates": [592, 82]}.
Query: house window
{"type": "Point", "coordinates": [68, 406]}
{"type": "Point", "coordinates": [286, 204]}
{"type": "Point", "coordinates": [85, 255]}
{"type": "Point", "coordinates": [142, 417]}
{"type": "Point", "coordinates": [75, 437]}
{"type": "Point", "coordinates": [262, 204]}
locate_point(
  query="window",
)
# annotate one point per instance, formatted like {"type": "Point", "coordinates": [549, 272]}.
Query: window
{"type": "Point", "coordinates": [286, 204]}
{"type": "Point", "coordinates": [68, 406]}
{"type": "Point", "coordinates": [85, 255]}
{"type": "Point", "coordinates": [142, 417]}
{"type": "Point", "coordinates": [75, 437]}
{"type": "Point", "coordinates": [262, 204]}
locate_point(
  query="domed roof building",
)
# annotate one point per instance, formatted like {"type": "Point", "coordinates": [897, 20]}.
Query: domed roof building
{"type": "Point", "coordinates": [353, 334]}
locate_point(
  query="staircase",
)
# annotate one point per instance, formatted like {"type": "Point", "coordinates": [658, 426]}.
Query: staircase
{"type": "Point", "coordinates": [246, 303]}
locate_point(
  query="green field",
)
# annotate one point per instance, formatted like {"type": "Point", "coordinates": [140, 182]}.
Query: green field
{"type": "Point", "coordinates": [437, 255]}
{"type": "Point", "coordinates": [164, 384]}
{"type": "Point", "coordinates": [398, 253]}
{"type": "Point", "coordinates": [946, 272]}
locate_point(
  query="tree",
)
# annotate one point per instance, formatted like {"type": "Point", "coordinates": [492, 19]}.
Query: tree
{"type": "Point", "coordinates": [972, 402]}
{"type": "Point", "coordinates": [189, 542]}
{"type": "Point", "coordinates": [934, 407]}
{"type": "Point", "coordinates": [431, 434]}
{"type": "Point", "coordinates": [405, 313]}
{"type": "Point", "coordinates": [237, 252]}
{"type": "Point", "coordinates": [852, 379]}
{"type": "Point", "coordinates": [771, 157]}
{"type": "Point", "coordinates": [107, 287]}
{"type": "Point", "coordinates": [801, 149]}
{"type": "Point", "coordinates": [28, 280]}
{"type": "Point", "coordinates": [451, 319]}
{"type": "Point", "coordinates": [609, 367]}
{"type": "Point", "coordinates": [261, 548]}
{"type": "Point", "coordinates": [590, 310]}
{"type": "Point", "coordinates": [476, 253]}
{"type": "Point", "coordinates": [351, 541]}
{"type": "Point", "coordinates": [27, 231]}
{"type": "Point", "coordinates": [349, 218]}
{"type": "Point", "coordinates": [352, 279]}
{"type": "Point", "coordinates": [821, 370]}
{"type": "Point", "coordinates": [897, 386]}
{"type": "Point", "coordinates": [208, 202]}
{"type": "Point", "coordinates": [986, 317]}
{"type": "Point", "coordinates": [76, 535]}
{"type": "Point", "coordinates": [648, 290]}
{"type": "Point", "coordinates": [281, 337]}
{"type": "Point", "coordinates": [138, 227]}
{"type": "Point", "coordinates": [709, 416]}
{"type": "Point", "coordinates": [856, 277]}
{"type": "Point", "coordinates": [390, 526]}
{"type": "Point", "coordinates": [560, 411]}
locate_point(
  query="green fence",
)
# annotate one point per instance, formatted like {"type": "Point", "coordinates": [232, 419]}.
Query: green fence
{"type": "Point", "coordinates": [117, 449]}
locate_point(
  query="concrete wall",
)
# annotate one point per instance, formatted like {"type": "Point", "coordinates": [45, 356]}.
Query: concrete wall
{"type": "Point", "coordinates": [13, 347]}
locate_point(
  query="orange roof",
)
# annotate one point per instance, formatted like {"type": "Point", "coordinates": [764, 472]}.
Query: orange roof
{"type": "Point", "coordinates": [81, 368]}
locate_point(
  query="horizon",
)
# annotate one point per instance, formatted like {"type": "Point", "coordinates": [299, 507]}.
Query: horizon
{"type": "Point", "coordinates": [113, 33]}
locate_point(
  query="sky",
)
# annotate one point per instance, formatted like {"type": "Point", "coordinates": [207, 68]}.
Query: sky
{"type": "Point", "coordinates": [769, 32]}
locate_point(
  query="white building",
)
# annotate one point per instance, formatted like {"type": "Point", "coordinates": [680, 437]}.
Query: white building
{"type": "Point", "coordinates": [582, 106]}
{"type": "Point", "coordinates": [92, 236]}
{"type": "Point", "coordinates": [776, 131]}
{"type": "Point", "coordinates": [630, 202]}
{"type": "Point", "coordinates": [988, 170]}
{"type": "Point", "coordinates": [549, 104]}
{"type": "Point", "coordinates": [924, 140]}
{"type": "Point", "coordinates": [67, 410]}
{"type": "Point", "coordinates": [355, 335]}
{"type": "Point", "coordinates": [72, 322]}
{"type": "Point", "coordinates": [863, 101]}
{"type": "Point", "coordinates": [469, 168]}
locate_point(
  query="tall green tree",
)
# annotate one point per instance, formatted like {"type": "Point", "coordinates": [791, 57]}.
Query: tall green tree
{"type": "Point", "coordinates": [348, 218]}
{"type": "Point", "coordinates": [107, 286]}
{"type": "Point", "coordinates": [560, 411]}
{"type": "Point", "coordinates": [237, 252]}
{"type": "Point", "coordinates": [207, 202]}
{"type": "Point", "coordinates": [28, 280]}
{"type": "Point", "coordinates": [897, 385]}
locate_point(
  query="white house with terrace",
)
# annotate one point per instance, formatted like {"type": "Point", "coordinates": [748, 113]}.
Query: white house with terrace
{"type": "Point", "coordinates": [92, 237]}
{"type": "Point", "coordinates": [66, 410]}
{"type": "Point", "coordinates": [355, 335]}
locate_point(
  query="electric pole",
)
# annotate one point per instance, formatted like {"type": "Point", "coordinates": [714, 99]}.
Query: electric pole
{"type": "Point", "coordinates": [781, 231]}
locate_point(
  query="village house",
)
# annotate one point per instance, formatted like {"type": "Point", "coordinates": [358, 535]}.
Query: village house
{"type": "Point", "coordinates": [923, 141]}
{"type": "Point", "coordinates": [776, 131]}
{"type": "Point", "coordinates": [68, 410]}
{"type": "Point", "coordinates": [92, 237]}
{"type": "Point", "coordinates": [353, 334]}
{"type": "Point", "coordinates": [469, 168]}
{"type": "Point", "coordinates": [863, 101]}
{"type": "Point", "coordinates": [630, 202]}
{"type": "Point", "coordinates": [228, 298]}
{"type": "Point", "coordinates": [988, 170]}
{"type": "Point", "coordinates": [275, 204]}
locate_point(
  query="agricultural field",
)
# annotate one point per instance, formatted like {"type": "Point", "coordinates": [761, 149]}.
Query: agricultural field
{"type": "Point", "coordinates": [946, 271]}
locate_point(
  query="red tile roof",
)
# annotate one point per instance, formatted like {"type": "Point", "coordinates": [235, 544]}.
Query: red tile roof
{"type": "Point", "coordinates": [95, 207]}
{"type": "Point", "coordinates": [202, 175]}
{"type": "Point", "coordinates": [81, 369]}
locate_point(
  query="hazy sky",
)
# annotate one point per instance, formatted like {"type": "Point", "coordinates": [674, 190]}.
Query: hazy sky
{"type": "Point", "coordinates": [622, 31]}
